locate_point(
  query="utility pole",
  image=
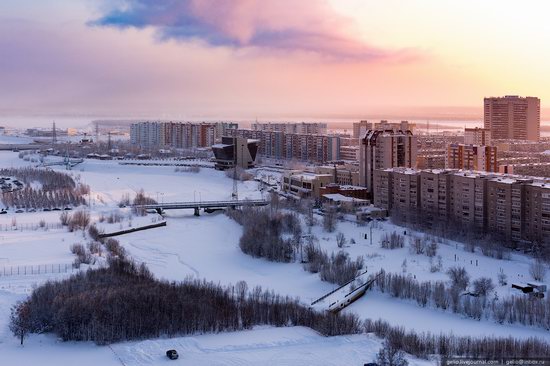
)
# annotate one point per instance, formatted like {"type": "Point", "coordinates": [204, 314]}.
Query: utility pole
{"type": "Point", "coordinates": [54, 135]}
{"type": "Point", "coordinates": [97, 133]}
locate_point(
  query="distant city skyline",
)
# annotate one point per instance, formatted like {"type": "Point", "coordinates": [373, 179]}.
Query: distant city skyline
{"type": "Point", "coordinates": [315, 59]}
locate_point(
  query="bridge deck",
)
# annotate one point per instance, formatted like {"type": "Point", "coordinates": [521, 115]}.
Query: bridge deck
{"type": "Point", "coordinates": [202, 204]}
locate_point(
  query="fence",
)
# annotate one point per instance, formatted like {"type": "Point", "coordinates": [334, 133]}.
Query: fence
{"type": "Point", "coordinates": [36, 269]}
{"type": "Point", "coordinates": [30, 226]}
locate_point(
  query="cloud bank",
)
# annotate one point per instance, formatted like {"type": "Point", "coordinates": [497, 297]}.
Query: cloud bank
{"type": "Point", "coordinates": [308, 26]}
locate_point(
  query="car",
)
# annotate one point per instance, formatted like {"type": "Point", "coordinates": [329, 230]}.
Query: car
{"type": "Point", "coordinates": [46, 209]}
{"type": "Point", "coordinates": [56, 209]}
{"type": "Point", "coordinates": [67, 209]}
{"type": "Point", "coordinates": [19, 211]}
{"type": "Point", "coordinates": [172, 354]}
{"type": "Point", "coordinates": [3, 212]}
{"type": "Point", "coordinates": [32, 210]}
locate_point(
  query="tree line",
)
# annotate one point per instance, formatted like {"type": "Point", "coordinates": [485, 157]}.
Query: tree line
{"type": "Point", "coordinates": [477, 303]}
{"type": "Point", "coordinates": [125, 302]}
{"type": "Point", "coordinates": [424, 345]}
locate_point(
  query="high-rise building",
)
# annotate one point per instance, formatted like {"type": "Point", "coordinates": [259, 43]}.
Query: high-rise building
{"type": "Point", "coordinates": [360, 128]}
{"type": "Point", "coordinates": [477, 136]}
{"type": "Point", "coordinates": [472, 157]}
{"type": "Point", "coordinates": [382, 149]}
{"type": "Point", "coordinates": [512, 117]}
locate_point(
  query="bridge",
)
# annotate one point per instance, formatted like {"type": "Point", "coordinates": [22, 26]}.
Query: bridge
{"type": "Point", "coordinates": [208, 206]}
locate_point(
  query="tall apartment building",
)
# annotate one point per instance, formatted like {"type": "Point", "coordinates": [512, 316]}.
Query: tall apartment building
{"type": "Point", "coordinates": [512, 117]}
{"type": "Point", "coordinates": [301, 128]}
{"type": "Point", "coordinates": [360, 128]}
{"type": "Point", "coordinates": [146, 134]}
{"type": "Point", "coordinates": [472, 157]}
{"type": "Point", "coordinates": [382, 149]}
{"type": "Point", "coordinates": [177, 134]}
{"type": "Point", "coordinates": [289, 146]}
{"type": "Point", "coordinates": [514, 208]}
{"type": "Point", "coordinates": [477, 136]}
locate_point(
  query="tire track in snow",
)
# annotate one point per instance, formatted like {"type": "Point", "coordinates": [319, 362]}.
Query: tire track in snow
{"type": "Point", "coordinates": [162, 253]}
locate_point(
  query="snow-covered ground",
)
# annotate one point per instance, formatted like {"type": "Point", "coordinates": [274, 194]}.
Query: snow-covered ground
{"type": "Point", "coordinates": [207, 247]}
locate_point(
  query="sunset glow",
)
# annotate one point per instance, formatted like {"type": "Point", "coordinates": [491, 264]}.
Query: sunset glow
{"type": "Point", "coordinates": [242, 59]}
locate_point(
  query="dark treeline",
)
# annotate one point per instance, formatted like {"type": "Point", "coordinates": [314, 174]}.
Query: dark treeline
{"type": "Point", "coordinates": [424, 345]}
{"type": "Point", "coordinates": [263, 231]}
{"type": "Point", "coordinates": [125, 302]}
{"type": "Point", "coordinates": [58, 189]}
{"type": "Point", "coordinates": [522, 309]}
{"type": "Point", "coordinates": [337, 268]}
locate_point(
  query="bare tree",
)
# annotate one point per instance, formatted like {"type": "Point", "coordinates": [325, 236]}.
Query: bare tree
{"type": "Point", "coordinates": [340, 240]}
{"type": "Point", "coordinates": [483, 285]}
{"type": "Point", "coordinates": [459, 277]}
{"type": "Point", "coordinates": [391, 355]}
{"type": "Point", "coordinates": [20, 323]}
{"type": "Point", "coordinates": [538, 269]}
{"type": "Point", "coordinates": [329, 218]}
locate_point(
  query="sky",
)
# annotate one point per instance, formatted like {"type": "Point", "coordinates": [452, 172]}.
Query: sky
{"type": "Point", "coordinates": [265, 59]}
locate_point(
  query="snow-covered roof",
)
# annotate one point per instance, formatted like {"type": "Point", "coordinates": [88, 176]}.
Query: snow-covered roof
{"type": "Point", "coordinates": [337, 197]}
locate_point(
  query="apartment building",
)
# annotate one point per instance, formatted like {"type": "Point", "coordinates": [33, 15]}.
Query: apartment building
{"type": "Point", "coordinates": [300, 128]}
{"type": "Point", "coordinates": [537, 211]}
{"type": "Point", "coordinates": [177, 134]}
{"type": "Point", "coordinates": [360, 128]}
{"type": "Point", "coordinates": [434, 192]}
{"type": "Point", "coordinates": [514, 208]}
{"type": "Point", "coordinates": [382, 149]}
{"type": "Point", "coordinates": [468, 199]}
{"type": "Point", "coordinates": [431, 159]}
{"type": "Point", "coordinates": [512, 117]}
{"type": "Point", "coordinates": [472, 157]}
{"type": "Point", "coordinates": [146, 134]}
{"type": "Point", "coordinates": [290, 146]}
{"type": "Point", "coordinates": [477, 136]}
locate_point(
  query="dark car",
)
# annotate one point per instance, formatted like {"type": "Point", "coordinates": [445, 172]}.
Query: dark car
{"type": "Point", "coordinates": [56, 209]}
{"type": "Point", "coordinates": [19, 211]}
{"type": "Point", "coordinates": [46, 209]}
{"type": "Point", "coordinates": [3, 212]}
{"type": "Point", "coordinates": [172, 354]}
{"type": "Point", "coordinates": [67, 209]}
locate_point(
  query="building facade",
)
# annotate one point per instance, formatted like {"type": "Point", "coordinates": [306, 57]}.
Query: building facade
{"type": "Point", "coordinates": [382, 149]}
{"type": "Point", "coordinates": [477, 136]}
{"type": "Point", "coordinates": [300, 128]}
{"type": "Point", "coordinates": [290, 146]}
{"type": "Point", "coordinates": [235, 151]}
{"type": "Point", "coordinates": [472, 157]}
{"type": "Point", "coordinates": [514, 208]}
{"type": "Point", "coordinates": [512, 117]}
{"type": "Point", "coordinates": [179, 135]}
